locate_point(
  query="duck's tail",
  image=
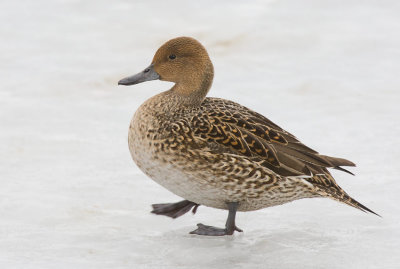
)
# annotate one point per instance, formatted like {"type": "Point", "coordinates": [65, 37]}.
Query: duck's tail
{"type": "Point", "coordinates": [351, 202]}
{"type": "Point", "coordinates": [343, 197]}
{"type": "Point", "coordinates": [329, 188]}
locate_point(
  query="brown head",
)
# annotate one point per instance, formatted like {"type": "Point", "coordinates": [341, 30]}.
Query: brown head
{"type": "Point", "coordinates": [182, 60]}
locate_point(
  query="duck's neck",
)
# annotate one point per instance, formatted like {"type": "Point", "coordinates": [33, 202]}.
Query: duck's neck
{"type": "Point", "coordinates": [193, 89]}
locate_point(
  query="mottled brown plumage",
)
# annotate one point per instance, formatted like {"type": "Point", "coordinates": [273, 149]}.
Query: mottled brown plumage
{"type": "Point", "coordinates": [215, 152]}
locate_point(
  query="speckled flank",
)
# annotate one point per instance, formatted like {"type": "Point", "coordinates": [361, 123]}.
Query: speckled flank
{"type": "Point", "coordinates": [212, 151]}
{"type": "Point", "coordinates": [198, 170]}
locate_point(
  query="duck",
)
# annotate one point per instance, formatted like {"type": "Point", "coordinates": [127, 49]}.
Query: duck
{"type": "Point", "coordinates": [215, 152]}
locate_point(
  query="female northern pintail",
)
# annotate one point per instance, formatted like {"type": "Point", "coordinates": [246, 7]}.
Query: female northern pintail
{"type": "Point", "coordinates": [215, 152]}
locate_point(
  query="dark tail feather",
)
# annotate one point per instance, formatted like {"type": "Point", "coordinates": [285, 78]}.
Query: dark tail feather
{"type": "Point", "coordinates": [351, 202]}
{"type": "Point", "coordinates": [340, 195]}
{"type": "Point", "coordinates": [360, 206]}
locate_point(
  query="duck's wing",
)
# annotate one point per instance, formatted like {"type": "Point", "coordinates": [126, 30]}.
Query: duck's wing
{"type": "Point", "coordinates": [229, 127]}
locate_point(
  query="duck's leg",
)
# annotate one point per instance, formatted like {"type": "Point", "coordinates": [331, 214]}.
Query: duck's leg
{"type": "Point", "coordinates": [230, 226]}
{"type": "Point", "coordinates": [174, 210]}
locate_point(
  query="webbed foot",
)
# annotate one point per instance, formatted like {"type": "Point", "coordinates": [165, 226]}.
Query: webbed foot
{"type": "Point", "coordinates": [174, 210]}
{"type": "Point", "coordinates": [213, 231]}
{"type": "Point", "coordinates": [230, 226]}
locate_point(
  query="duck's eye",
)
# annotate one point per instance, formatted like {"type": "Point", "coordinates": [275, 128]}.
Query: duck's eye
{"type": "Point", "coordinates": [172, 56]}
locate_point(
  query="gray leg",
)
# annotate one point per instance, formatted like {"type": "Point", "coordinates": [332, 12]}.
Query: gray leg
{"type": "Point", "coordinates": [174, 210]}
{"type": "Point", "coordinates": [230, 226]}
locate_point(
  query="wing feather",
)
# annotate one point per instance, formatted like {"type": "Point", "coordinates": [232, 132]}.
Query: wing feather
{"type": "Point", "coordinates": [239, 130]}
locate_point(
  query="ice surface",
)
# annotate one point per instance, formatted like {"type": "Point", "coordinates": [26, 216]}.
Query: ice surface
{"type": "Point", "coordinates": [70, 196]}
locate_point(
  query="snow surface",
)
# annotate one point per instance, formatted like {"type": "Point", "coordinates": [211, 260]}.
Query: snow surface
{"type": "Point", "coordinates": [70, 195]}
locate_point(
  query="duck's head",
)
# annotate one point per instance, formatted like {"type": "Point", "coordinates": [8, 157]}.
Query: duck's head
{"type": "Point", "coordinates": [182, 60]}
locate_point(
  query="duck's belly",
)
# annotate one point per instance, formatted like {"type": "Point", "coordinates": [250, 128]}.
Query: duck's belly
{"type": "Point", "coordinates": [169, 172]}
{"type": "Point", "coordinates": [208, 183]}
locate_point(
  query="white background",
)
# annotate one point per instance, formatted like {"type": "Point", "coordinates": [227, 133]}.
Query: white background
{"type": "Point", "coordinates": [70, 195]}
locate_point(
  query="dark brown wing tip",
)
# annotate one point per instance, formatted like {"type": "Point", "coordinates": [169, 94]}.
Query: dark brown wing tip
{"type": "Point", "coordinates": [343, 170]}
{"type": "Point", "coordinates": [338, 161]}
{"type": "Point", "coordinates": [351, 164]}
